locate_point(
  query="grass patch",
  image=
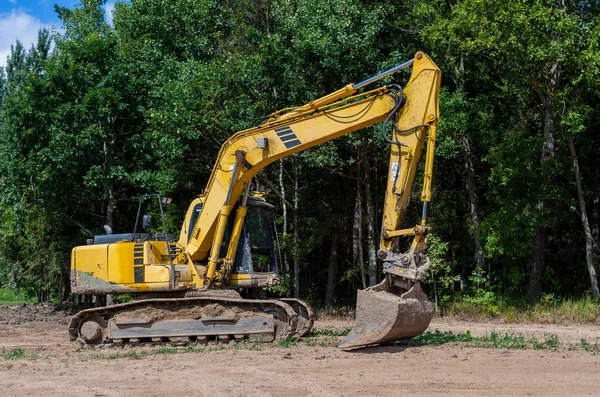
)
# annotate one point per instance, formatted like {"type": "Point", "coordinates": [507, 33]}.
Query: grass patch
{"type": "Point", "coordinates": [326, 341]}
{"type": "Point", "coordinates": [17, 354]}
{"type": "Point", "coordinates": [548, 310]}
{"type": "Point", "coordinates": [438, 338]}
{"type": "Point", "coordinates": [167, 350]}
{"type": "Point", "coordinates": [550, 342]}
{"type": "Point", "coordinates": [588, 347]}
{"type": "Point", "coordinates": [329, 332]}
{"type": "Point", "coordinates": [133, 354]}
{"type": "Point", "coordinates": [163, 350]}
{"type": "Point", "coordinates": [494, 340]}
{"type": "Point", "coordinates": [503, 341]}
{"type": "Point", "coordinates": [13, 354]}
{"type": "Point", "coordinates": [287, 342]}
{"type": "Point", "coordinates": [187, 349]}
{"type": "Point", "coordinates": [9, 297]}
{"type": "Point", "coordinates": [248, 345]}
{"type": "Point", "coordinates": [487, 305]}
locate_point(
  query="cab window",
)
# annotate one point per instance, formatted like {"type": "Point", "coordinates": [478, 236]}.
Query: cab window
{"type": "Point", "coordinates": [195, 213]}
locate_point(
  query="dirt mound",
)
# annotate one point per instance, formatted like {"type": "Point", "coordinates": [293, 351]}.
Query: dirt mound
{"type": "Point", "coordinates": [28, 313]}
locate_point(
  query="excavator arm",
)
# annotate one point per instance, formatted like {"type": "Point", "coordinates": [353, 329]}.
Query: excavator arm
{"type": "Point", "coordinates": [413, 112]}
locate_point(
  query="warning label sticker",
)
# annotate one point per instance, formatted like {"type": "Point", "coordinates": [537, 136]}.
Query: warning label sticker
{"type": "Point", "coordinates": [394, 172]}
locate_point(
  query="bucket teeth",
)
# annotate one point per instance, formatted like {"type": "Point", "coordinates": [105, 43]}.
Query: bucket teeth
{"type": "Point", "coordinates": [383, 316]}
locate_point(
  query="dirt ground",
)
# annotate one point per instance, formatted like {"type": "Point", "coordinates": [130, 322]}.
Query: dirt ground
{"type": "Point", "coordinates": [59, 368]}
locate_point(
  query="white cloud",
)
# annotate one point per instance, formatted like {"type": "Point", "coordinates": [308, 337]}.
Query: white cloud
{"type": "Point", "coordinates": [17, 25]}
{"type": "Point", "coordinates": [108, 12]}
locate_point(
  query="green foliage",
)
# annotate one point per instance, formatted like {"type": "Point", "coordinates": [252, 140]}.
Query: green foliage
{"type": "Point", "coordinates": [122, 298]}
{"type": "Point", "coordinates": [485, 305]}
{"type": "Point", "coordinates": [132, 354]}
{"type": "Point", "coordinates": [494, 340]}
{"type": "Point", "coordinates": [166, 350]}
{"type": "Point", "coordinates": [437, 337]}
{"type": "Point", "coordinates": [287, 342]}
{"type": "Point", "coordinates": [284, 285]}
{"type": "Point", "coordinates": [550, 342]}
{"type": "Point", "coordinates": [9, 297]}
{"type": "Point", "coordinates": [17, 354]}
{"type": "Point", "coordinates": [441, 273]}
{"type": "Point", "coordinates": [93, 115]}
{"type": "Point", "coordinates": [593, 349]}
{"type": "Point", "coordinates": [13, 354]}
{"type": "Point", "coordinates": [329, 332]}
{"type": "Point", "coordinates": [483, 302]}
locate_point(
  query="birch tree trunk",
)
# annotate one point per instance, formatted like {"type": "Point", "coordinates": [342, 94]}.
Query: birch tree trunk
{"type": "Point", "coordinates": [372, 250]}
{"type": "Point", "coordinates": [596, 218]}
{"type": "Point", "coordinates": [584, 221]}
{"type": "Point", "coordinates": [357, 236]}
{"type": "Point", "coordinates": [538, 260]}
{"type": "Point", "coordinates": [473, 206]}
{"type": "Point", "coordinates": [284, 231]}
{"type": "Point", "coordinates": [108, 185]}
{"type": "Point", "coordinates": [296, 233]}
{"type": "Point", "coordinates": [332, 271]}
{"type": "Point", "coordinates": [286, 263]}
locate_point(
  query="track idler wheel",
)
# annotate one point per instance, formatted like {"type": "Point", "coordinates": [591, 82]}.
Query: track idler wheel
{"type": "Point", "coordinates": [306, 315]}
{"type": "Point", "coordinates": [93, 331]}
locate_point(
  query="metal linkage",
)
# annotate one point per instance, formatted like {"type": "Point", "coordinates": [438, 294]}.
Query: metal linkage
{"type": "Point", "coordinates": [383, 74]}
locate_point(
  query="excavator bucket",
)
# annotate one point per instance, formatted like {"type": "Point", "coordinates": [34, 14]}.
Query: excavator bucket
{"type": "Point", "coordinates": [384, 316]}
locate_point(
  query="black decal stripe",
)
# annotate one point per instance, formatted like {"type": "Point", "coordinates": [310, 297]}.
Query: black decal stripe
{"type": "Point", "coordinates": [138, 274]}
{"type": "Point", "coordinates": [293, 143]}
{"type": "Point", "coordinates": [282, 129]}
{"type": "Point", "coordinates": [288, 137]}
{"type": "Point", "coordinates": [286, 133]}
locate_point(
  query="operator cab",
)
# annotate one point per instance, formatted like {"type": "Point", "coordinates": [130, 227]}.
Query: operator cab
{"type": "Point", "coordinates": [257, 249]}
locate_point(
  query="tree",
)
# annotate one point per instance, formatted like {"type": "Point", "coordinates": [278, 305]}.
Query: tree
{"type": "Point", "coordinates": [537, 45]}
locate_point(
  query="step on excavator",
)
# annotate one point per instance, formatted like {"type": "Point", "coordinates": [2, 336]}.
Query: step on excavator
{"type": "Point", "coordinates": [189, 290]}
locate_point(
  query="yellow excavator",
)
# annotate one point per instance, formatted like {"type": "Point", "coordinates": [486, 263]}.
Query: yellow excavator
{"type": "Point", "coordinates": [188, 290]}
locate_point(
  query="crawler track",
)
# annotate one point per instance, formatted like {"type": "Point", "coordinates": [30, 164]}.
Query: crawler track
{"type": "Point", "coordinates": [181, 321]}
{"type": "Point", "coordinates": [306, 314]}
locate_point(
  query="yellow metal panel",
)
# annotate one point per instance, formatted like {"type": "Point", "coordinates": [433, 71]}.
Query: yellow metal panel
{"type": "Point", "coordinates": [183, 236]}
{"type": "Point", "coordinates": [155, 252]}
{"type": "Point", "coordinates": [120, 262]}
{"type": "Point", "coordinates": [254, 280]}
{"type": "Point", "coordinates": [91, 259]}
{"type": "Point", "coordinates": [157, 274]}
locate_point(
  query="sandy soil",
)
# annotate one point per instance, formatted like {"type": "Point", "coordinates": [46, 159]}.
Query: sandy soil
{"type": "Point", "coordinates": [60, 369]}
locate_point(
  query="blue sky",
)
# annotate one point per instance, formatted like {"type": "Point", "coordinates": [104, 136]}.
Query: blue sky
{"type": "Point", "coordinates": [21, 19]}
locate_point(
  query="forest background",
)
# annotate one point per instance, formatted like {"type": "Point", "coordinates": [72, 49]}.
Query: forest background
{"type": "Point", "coordinates": [94, 115]}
